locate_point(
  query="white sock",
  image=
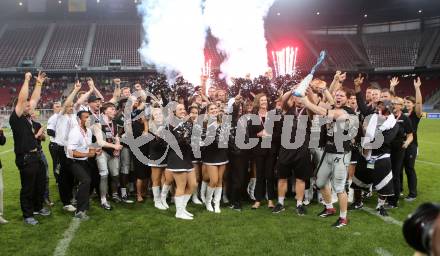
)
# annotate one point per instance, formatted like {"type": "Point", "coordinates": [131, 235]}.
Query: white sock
{"type": "Point", "coordinates": [380, 202]}
{"type": "Point", "coordinates": [203, 189]}
{"type": "Point", "coordinates": [298, 203]}
{"type": "Point", "coordinates": [185, 201]}
{"type": "Point", "coordinates": [281, 200]}
{"type": "Point", "coordinates": [343, 214]}
{"type": "Point", "coordinates": [328, 206]}
{"type": "Point", "coordinates": [165, 189]}
{"type": "Point", "coordinates": [103, 199]}
{"type": "Point", "coordinates": [123, 192]}
{"type": "Point", "coordinates": [253, 181]}
{"type": "Point", "coordinates": [156, 193]}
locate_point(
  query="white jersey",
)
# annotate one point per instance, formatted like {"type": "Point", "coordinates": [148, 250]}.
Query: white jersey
{"type": "Point", "coordinates": [52, 125]}
{"type": "Point", "coordinates": [65, 124]}
{"type": "Point", "coordinates": [78, 140]}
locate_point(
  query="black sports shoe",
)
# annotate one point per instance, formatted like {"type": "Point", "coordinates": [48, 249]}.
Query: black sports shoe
{"type": "Point", "coordinates": [278, 208]}
{"type": "Point", "coordinates": [327, 212]}
{"type": "Point", "coordinates": [236, 207]}
{"type": "Point", "coordinates": [382, 211]}
{"type": "Point", "coordinates": [341, 222]}
{"type": "Point", "coordinates": [301, 210]}
{"type": "Point", "coordinates": [356, 206]}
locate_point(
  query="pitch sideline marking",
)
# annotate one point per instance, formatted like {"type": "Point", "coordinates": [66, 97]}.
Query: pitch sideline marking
{"type": "Point", "coordinates": [68, 235]}
{"type": "Point", "coordinates": [427, 162]}
{"type": "Point", "coordinates": [387, 219]}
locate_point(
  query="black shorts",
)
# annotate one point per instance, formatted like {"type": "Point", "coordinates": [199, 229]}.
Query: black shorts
{"type": "Point", "coordinates": [295, 162]}
{"type": "Point", "coordinates": [381, 177]}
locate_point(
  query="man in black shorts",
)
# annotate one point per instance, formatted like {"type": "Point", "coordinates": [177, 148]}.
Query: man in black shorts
{"type": "Point", "coordinates": [296, 162]}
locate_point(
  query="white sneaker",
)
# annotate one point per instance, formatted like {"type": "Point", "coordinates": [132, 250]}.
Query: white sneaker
{"type": "Point", "coordinates": [2, 220]}
{"type": "Point", "coordinates": [158, 204]}
{"type": "Point", "coordinates": [69, 208]}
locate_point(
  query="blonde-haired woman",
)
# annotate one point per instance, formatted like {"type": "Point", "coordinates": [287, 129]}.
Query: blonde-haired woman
{"type": "Point", "coordinates": [214, 157]}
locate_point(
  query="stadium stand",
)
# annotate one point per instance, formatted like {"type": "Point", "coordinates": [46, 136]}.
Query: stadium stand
{"type": "Point", "coordinates": [116, 42]}
{"type": "Point", "coordinates": [20, 42]}
{"type": "Point", "coordinates": [66, 47]}
{"type": "Point", "coordinates": [397, 49]}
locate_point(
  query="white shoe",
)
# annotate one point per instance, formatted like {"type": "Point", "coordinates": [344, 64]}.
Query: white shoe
{"type": "Point", "coordinates": [69, 208]}
{"type": "Point", "coordinates": [158, 204]}
{"type": "Point", "coordinates": [2, 220]}
{"type": "Point", "coordinates": [183, 216]}
{"type": "Point", "coordinates": [180, 209]}
{"type": "Point", "coordinates": [217, 207]}
{"type": "Point", "coordinates": [164, 202]}
{"type": "Point", "coordinates": [196, 200]}
{"type": "Point", "coordinates": [188, 213]}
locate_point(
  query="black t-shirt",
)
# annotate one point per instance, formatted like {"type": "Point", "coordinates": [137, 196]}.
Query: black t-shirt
{"type": "Point", "coordinates": [415, 125]}
{"type": "Point", "coordinates": [405, 127]}
{"type": "Point", "coordinates": [24, 139]}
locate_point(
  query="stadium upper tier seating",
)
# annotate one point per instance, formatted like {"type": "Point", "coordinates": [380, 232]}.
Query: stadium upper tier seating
{"type": "Point", "coordinates": [396, 49]}
{"type": "Point", "coordinates": [20, 42]}
{"type": "Point", "coordinates": [66, 47]}
{"type": "Point", "coordinates": [116, 42]}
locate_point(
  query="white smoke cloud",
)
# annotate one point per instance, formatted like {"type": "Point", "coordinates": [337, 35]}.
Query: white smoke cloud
{"type": "Point", "coordinates": [239, 26]}
{"type": "Point", "coordinates": [174, 37]}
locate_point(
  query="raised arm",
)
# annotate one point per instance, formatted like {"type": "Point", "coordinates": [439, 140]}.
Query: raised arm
{"type": "Point", "coordinates": [419, 100]}
{"type": "Point", "coordinates": [363, 108]}
{"type": "Point", "coordinates": [338, 79]}
{"type": "Point", "coordinates": [69, 99]}
{"type": "Point", "coordinates": [36, 94]}
{"type": "Point", "coordinates": [393, 83]}
{"type": "Point", "coordinates": [82, 100]}
{"type": "Point", "coordinates": [23, 95]}
{"type": "Point", "coordinates": [331, 113]}
{"type": "Point", "coordinates": [117, 91]}
{"type": "Point", "coordinates": [90, 83]}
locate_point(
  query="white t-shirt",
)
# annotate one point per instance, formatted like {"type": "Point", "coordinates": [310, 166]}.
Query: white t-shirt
{"type": "Point", "coordinates": [64, 124]}
{"type": "Point", "coordinates": [78, 140]}
{"type": "Point", "coordinates": [52, 124]}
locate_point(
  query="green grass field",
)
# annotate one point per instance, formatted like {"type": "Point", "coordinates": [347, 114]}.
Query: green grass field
{"type": "Point", "coordinates": [140, 229]}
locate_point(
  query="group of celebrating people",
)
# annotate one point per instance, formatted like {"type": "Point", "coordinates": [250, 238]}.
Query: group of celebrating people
{"type": "Point", "coordinates": [338, 142]}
